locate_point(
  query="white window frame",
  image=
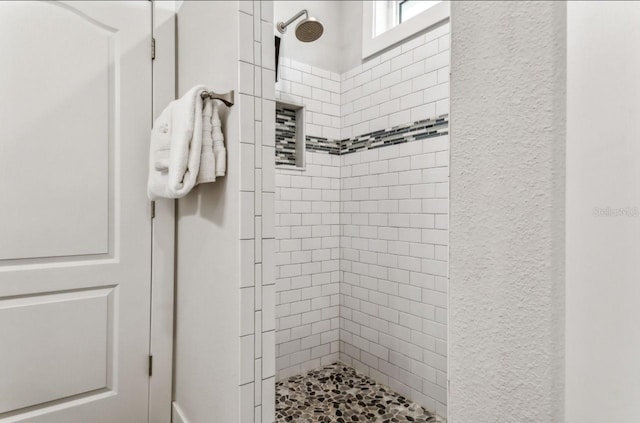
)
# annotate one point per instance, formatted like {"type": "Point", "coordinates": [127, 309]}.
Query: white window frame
{"type": "Point", "coordinates": [372, 45]}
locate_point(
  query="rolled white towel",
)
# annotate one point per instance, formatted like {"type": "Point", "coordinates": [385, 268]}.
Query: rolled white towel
{"type": "Point", "coordinates": [176, 144]}
{"type": "Point", "coordinates": [219, 151]}
{"type": "Point", "coordinates": [207, 171]}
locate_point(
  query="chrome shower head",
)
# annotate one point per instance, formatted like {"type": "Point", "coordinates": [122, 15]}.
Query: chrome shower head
{"type": "Point", "coordinates": [308, 30]}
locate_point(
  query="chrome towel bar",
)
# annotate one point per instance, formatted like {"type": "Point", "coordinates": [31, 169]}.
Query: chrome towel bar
{"type": "Point", "coordinates": [225, 98]}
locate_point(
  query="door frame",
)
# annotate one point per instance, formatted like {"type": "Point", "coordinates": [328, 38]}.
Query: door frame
{"type": "Point", "coordinates": [163, 227]}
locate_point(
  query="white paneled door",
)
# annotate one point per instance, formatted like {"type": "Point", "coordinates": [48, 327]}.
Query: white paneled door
{"type": "Point", "coordinates": [75, 227]}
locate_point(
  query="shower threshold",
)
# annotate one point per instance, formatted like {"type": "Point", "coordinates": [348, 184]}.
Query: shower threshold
{"type": "Point", "coordinates": [337, 393]}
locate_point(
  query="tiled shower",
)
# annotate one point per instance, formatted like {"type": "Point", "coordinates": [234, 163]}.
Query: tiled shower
{"type": "Point", "coordinates": [362, 222]}
{"type": "Point", "coordinates": [373, 248]}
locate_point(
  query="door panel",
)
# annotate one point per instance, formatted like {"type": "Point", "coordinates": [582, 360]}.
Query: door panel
{"type": "Point", "coordinates": [80, 321]}
{"type": "Point", "coordinates": [58, 92]}
{"type": "Point", "coordinates": [75, 230]}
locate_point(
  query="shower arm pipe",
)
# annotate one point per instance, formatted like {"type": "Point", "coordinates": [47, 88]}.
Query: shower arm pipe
{"type": "Point", "coordinates": [282, 26]}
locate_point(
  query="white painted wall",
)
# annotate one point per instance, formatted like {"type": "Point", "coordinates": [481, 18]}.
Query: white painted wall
{"type": "Point", "coordinates": [351, 15]}
{"type": "Point", "coordinates": [339, 47]}
{"type": "Point", "coordinates": [225, 284]}
{"type": "Point", "coordinates": [507, 212]}
{"type": "Point", "coordinates": [603, 170]}
{"type": "Point", "coordinates": [207, 349]}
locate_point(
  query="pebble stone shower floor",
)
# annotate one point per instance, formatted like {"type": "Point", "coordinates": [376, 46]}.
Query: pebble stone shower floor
{"type": "Point", "coordinates": [339, 394]}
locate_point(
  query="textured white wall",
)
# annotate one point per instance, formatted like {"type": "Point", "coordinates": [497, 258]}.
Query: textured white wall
{"type": "Point", "coordinates": [507, 212]}
{"type": "Point", "coordinates": [603, 170]}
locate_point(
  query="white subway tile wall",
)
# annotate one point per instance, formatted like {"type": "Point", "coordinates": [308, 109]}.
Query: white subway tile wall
{"type": "Point", "coordinates": [394, 251]}
{"type": "Point", "coordinates": [403, 85]}
{"type": "Point", "coordinates": [256, 104]}
{"type": "Point", "coordinates": [308, 264]}
{"type": "Point", "coordinates": [318, 90]}
{"type": "Point", "coordinates": [308, 228]}
{"type": "Point", "coordinates": [387, 207]}
{"type": "Point", "coordinates": [394, 223]}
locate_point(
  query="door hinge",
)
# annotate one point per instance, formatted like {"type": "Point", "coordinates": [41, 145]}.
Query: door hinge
{"type": "Point", "coordinates": [152, 207]}
{"type": "Point", "coordinates": [153, 49]}
{"type": "Point", "coordinates": [150, 365]}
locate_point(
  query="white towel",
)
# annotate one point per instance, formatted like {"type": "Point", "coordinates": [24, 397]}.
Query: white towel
{"type": "Point", "coordinates": [219, 151]}
{"type": "Point", "coordinates": [176, 146]}
{"type": "Point", "coordinates": [207, 172]}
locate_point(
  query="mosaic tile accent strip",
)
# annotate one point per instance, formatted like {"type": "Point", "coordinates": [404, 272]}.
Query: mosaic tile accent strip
{"type": "Point", "coordinates": [286, 137]}
{"type": "Point", "coordinates": [339, 394]}
{"type": "Point", "coordinates": [422, 129]}
{"type": "Point", "coordinates": [322, 145]}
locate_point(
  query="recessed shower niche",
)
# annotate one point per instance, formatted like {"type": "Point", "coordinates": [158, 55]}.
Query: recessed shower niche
{"type": "Point", "coordinates": [290, 135]}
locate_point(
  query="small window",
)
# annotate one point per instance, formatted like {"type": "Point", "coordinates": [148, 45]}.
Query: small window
{"type": "Point", "coordinates": [391, 13]}
{"type": "Point", "coordinates": [388, 22]}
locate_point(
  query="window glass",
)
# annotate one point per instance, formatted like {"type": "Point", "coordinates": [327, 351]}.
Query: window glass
{"type": "Point", "coordinates": [384, 16]}
{"type": "Point", "coordinates": [410, 8]}
{"type": "Point", "coordinates": [391, 13]}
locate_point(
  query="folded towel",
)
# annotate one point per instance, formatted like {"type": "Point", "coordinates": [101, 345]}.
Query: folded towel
{"type": "Point", "coordinates": [219, 151]}
{"type": "Point", "coordinates": [207, 172]}
{"type": "Point", "coordinates": [176, 146]}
